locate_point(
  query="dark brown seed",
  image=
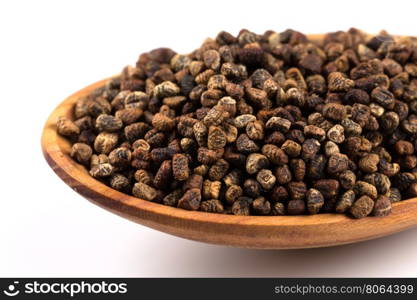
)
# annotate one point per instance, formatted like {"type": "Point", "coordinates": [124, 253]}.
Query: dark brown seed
{"type": "Point", "coordinates": [328, 187]}
{"type": "Point", "coordinates": [345, 202]}
{"type": "Point", "coordinates": [362, 207]}
{"type": "Point", "coordinates": [81, 152]}
{"type": "Point", "coordinates": [315, 201]}
{"type": "Point", "coordinates": [337, 164]}
{"type": "Point", "coordinates": [180, 167]}
{"type": "Point", "coordinates": [144, 191]}
{"type": "Point", "coordinates": [296, 207]}
{"type": "Point", "coordinates": [382, 206]}
{"type": "Point", "coordinates": [369, 163]}
{"type": "Point", "coordinates": [241, 207]}
{"type": "Point", "coordinates": [261, 206]}
{"type": "Point", "coordinates": [297, 190]}
{"type": "Point", "coordinates": [212, 206]}
{"type": "Point", "coordinates": [190, 200]}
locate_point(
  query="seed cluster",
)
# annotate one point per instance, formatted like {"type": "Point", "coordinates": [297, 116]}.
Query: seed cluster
{"type": "Point", "coordinates": [269, 124]}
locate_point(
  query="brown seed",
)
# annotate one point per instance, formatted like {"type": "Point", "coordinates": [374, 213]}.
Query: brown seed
{"type": "Point", "coordinates": [274, 154]}
{"type": "Point", "coordinates": [255, 162]}
{"type": "Point", "coordinates": [382, 206]}
{"type": "Point", "coordinates": [315, 201]}
{"type": "Point", "coordinates": [119, 182]}
{"type": "Point", "coordinates": [241, 207]}
{"type": "Point", "coordinates": [102, 170]}
{"type": "Point", "coordinates": [362, 207]}
{"type": "Point", "coordinates": [233, 193]}
{"type": "Point", "coordinates": [162, 122]}
{"type": "Point", "coordinates": [261, 206]}
{"type": "Point", "coordinates": [172, 198]}
{"type": "Point", "coordinates": [365, 188]}
{"type": "Point", "coordinates": [105, 142]}
{"type": "Point", "coordinates": [345, 202]}
{"type": "Point", "coordinates": [336, 134]}
{"type": "Point", "coordinates": [347, 179]}
{"type": "Point", "coordinates": [337, 164]}
{"type": "Point", "coordinates": [394, 195]}
{"type": "Point", "coordinates": [315, 132]}
{"type": "Point", "coordinates": [334, 111]}
{"type": "Point", "coordinates": [283, 174]}
{"type": "Point", "coordinates": [190, 200]}
{"type": "Point", "coordinates": [298, 168]}
{"type": "Point", "coordinates": [81, 152]}
{"type": "Point", "coordinates": [255, 130]}
{"type": "Point", "coordinates": [243, 120]}
{"type": "Point", "coordinates": [278, 123]}
{"type": "Point", "coordinates": [211, 189]}
{"type": "Point", "coordinates": [144, 191]}
{"type": "Point", "coordinates": [166, 89]}
{"type": "Point", "coordinates": [278, 209]}
{"type": "Point", "coordinates": [292, 148]}
{"type": "Point", "coordinates": [245, 145]}
{"type": "Point", "coordinates": [339, 83]}
{"type": "Point", "coordinates": [310, 148]}
{"type": "Point", "coordinates": [404, 148]}
{"type": "Point", "coordinates": [297, 190]}
{"type": "Point", "coordinates": [266, 179]}
{"type": "Point", "coordinates": [296, 207]}
{"type": "Point", "coordinates": [67, 128]}
{"type": "Point", "coordinates": [180, 167]}
{"type": "Point", "coordinates": [252, 188]}
{"type": "Point", "coordinates": [163, 175]}
{"type": "Point", "coordinates": [120, 157]}
{"type": "Point", "coordinates": [328, 187]}
{"type": "Point", "coordinates": [218, 170]}
{"type": "Point", "coordinates": [369, 163]}
{"type": "Point", "coordinates": [212, 206]}
{"type": "Point", "coordinates": [216, 138]}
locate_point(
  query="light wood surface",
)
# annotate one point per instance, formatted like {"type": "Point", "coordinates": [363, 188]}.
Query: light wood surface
{"type": "Point", "coordinates": [263, 232]}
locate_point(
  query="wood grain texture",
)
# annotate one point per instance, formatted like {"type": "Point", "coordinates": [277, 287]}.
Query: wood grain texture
{"type": "Point", "coordinates": [262, 232]}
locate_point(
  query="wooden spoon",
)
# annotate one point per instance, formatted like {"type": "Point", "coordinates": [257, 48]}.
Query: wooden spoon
{"type": "Point", "coordinates": [263, 232]}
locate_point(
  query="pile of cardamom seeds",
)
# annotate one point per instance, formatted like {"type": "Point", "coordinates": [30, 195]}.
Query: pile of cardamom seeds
{"type": "Point", "coordinates": [259, 124]}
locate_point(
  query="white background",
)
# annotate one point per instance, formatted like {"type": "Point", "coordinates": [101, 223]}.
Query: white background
{"type": "Point", "coordinates": [50, 49]}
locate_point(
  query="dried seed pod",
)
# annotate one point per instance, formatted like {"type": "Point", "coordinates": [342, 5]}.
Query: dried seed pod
{"type": "Point", "coordinates": [292, 148]}
{"type": "Point", "coordinates": [382, 206]}
{"type": "Point", "coordinates": [261, 206]}
{"type": "Point", "coordinates": [231, 133]}
{"type": "Point", "coordinates": [227, 104]}
{"type": "Point", "coordinates": [296, 207]}
{"type": "Point", "coordinates": [212, 206]}
{"type": "Point", "coordinates": [241, 207]}
{"type": "Point", "coordinates": [266, 179]}
{"type": "Point", "coordinates": [216, 138]}
{"type": "Point", "coordinates": [365, 188]}
{"type": "Point", "coordinates": [362, 207]}
{"type": "Point", "coordinates": [67, 128]}
{"type": "Point", "coordinates": [369, 163]}
{"type": "Point", "coordinates": [383, 97]}
{"type": "Point", "coordinates": [144, 191]}
{"type": "Point", "coordinates": [255, 162]}
{"type": "Point", "coordinates": [389, 169]}
{"type": "Point", "coordinates": [190, 200]}
{"type": "Point", "coordinates": [211, 59]}
{"type": "Point", "coordinates": [200, 133]}
{"type": "Point", "coordinates": [347, 179]}
{"type": "Point", "coordinates": [336, 134]}
{"type": "Point", "coordinates": [214, 117]}
{"type": "Point", "coordinates": [315, 201]}
{"type": "Point", "coordinates": [180, 167]}
{"type": "Point", "coordinates": [345, 201]}
{"type": "Point", "coordinates": [102, 170]}
{"type": "Point", "coordinates": [351, 128]}
{"type": "Point", "coordinates": [108, 123]}
{"type": "Point", "coordinates": [82, 153]}
{"type": "Point", "coordinates": [105, 142]}
{"type": "Point", "coordinates": [233, 192]}
{"type": "Point", "coordinates": [245, 145]}
{"type": "Point", "coordinates": [331, 148]}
